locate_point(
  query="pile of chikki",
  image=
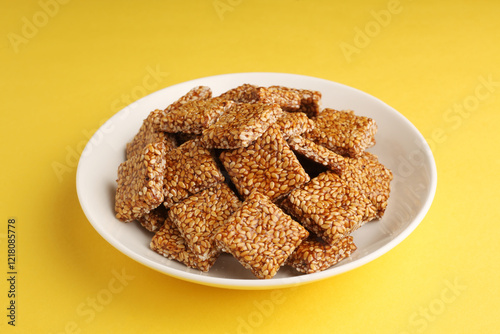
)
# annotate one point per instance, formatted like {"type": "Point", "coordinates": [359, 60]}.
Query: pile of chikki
{"type": "Point", "coordinates": [262, 173]}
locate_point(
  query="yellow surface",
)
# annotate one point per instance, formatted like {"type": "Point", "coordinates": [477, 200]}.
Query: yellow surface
{"type": "Point", "coordinates": [68, 66]}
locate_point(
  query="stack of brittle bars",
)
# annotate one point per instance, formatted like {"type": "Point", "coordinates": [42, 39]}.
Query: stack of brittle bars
{"type": "Point", "coordinates": [262, 173]}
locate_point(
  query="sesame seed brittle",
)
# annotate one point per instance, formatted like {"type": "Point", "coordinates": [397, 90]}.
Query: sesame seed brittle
{"type": "Point", "coordinates": [368, 176]}
{"type": "Point", "coordinates": [169, 242]}
{"type": "Point", "coordinates": [240, 125]}
{"type": "Point", "coordinates": [189, 168]}
{"type": "Point", "coordinates": [194, 116]}
{"type": "Point", "coordinates": [343, 132]}
{"type": "Point", "coordinates": [261, 236]}
{"type": "Point", "coordinates": [309, 100]}
{"type": "Point", "coordinates": [317, 153]}
{"type": "Point", "coordinates": [247, 93]}
{"type": "Point", "coordinates": [267, 165]}
{"type": "Point", "coordinates": [196, 94]}
{"type": "Point", "coordinates": [327, 206]}
{"type": "Point", "coordinates": [261, 173]}
{"type": "Point", "coordinates": [140, 183]}
{"type": "Point", "coordinates": [314, 255]}
{"type": "Point", "coordinates": [200, 216]}
{"type": "Point", "coordinates": [149, 133]}
{"type": "Point", "coordinates": [294, 124]}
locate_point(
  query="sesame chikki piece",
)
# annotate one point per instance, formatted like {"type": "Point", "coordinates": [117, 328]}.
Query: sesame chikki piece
{"type": "Point", "coordinates": [199, 217]}
{"type": "Point", "coordinates": [328, 207]}
{"type": "Point", "coordinates": [153, 220]}
{"type": "Point", "coordinates": [240, 125]}
{"type": "Point", "coordinates": [317, 153]}
{"type": "Point", "coordinates": [343, 132]}
{"type": "Point", "coordinates": [368, 176]}
{"type": "Point", "coordinates": [261, 236]}
{"type": "Point", "coordinates": [149, 133]}
{"type": "Point", "coordinates": [294, 124]}
{"type": "Point", "coordinates": [309, 100]}
{"type": "Point", "coordinates": [284, 98]}
{"type": "Point", "coordinates": [189, 168]}
{"type": "Point", "coordinates": [267, 165]}
{"type": "Point", "coordinates": [169, 242]}
{"type": "Point", "coordinates": [195, 94]}
{"type": "Point", "coordinates": [194, 116]}
{"type": "Point", "coordinates": [140, 183]}
{"type": "Point", "coordinates": [315, 255]}
{"type": "Point", "coordinates": [247, 93]}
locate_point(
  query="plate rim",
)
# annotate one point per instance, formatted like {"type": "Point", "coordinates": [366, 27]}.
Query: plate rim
{"type": "Point", "coordinates": [276, 282]}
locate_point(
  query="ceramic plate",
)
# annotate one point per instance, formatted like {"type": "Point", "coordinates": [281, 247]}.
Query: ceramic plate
{"type": "Point", "coordinates": [400, 147]}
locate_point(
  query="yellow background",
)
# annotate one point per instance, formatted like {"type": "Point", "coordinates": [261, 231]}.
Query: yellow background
{"type": "Point", "coordinates": [66, 67]}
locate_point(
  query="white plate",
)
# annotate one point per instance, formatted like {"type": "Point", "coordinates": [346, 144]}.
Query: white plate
{"type": "Point", "coordinates": [399, 146]}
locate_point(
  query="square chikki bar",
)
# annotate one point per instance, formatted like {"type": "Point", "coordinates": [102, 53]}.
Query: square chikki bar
{"type": "Point", "coordinates": [169, 242]}
{"type": "Point", "coordinates": [149, 133]}
{"type": "Point", "coordinates": [247, 93]}
{"type": "Point", "coordinates": [189, 168]}
{"type": "Point", "coordinates": [317, 153]}
{"type": "Point", "coordinates": [240, 125]}
{"type": "Point", "coordinates": [194, 116]}
{"type": "Point", "coordinates": [294, 124]}
{"type": "Point", "coordinates": [368, 176]}
{"type": "Point", "coordinates": [153, 220]}
{"type": "Point", "coordinates": [314, 255]}
{"type": "Point", "coordinates": [261, 236]}
{"type": "Point", "coordinates": [140, 183]}
{"type": "Point", "coordinates": [327, 206]}
{"type": "Point", "coordinates": [286, 99]}
{"type": "Point", "coordinates": [267, 165]}
{"type": "Point", "coordinates": [196, 94]}
{"type": "Point", "coordinates": [343, 132]}
{"type": "Point", "coordinates": [199, 217]}
{"type": "Point", "coordinates": [309, 100]}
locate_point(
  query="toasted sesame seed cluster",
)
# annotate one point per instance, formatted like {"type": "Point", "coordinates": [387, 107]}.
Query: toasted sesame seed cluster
{"type": "Point", "coordinates": [294, 124]}
{"type": "Point", "coordinates": [314, 254]}
{"type": "Point", "coordinates": [343, 132]}
{"type": "Point", "coordinates": [261, 236]}
{"type": "Point", "coordinates": [190, 168]}
{"type": "Point", "coordinates": [247, 93]}
{"type": "Point", "coordinates": [241, 125]}
{"type": "Point", "coordinates": [149, 134]}
{"type": "Point", "coordinates": [317, 153]}
{"type": "Point", "coordinates": [140, 183]}
{"type": "Point", "coordinates": [169, 242]}
{"type": "Point", "coordinates": [194, 116]}
{"type": "Point", "coordinates": [360, 174]}
{"type": "Point", "coordinates": [310, 100]}
{"type": "Point", "coordinates": [199, 217]}
{"type": "Point", "coordinates": [329, 207]}
{"type": "Point", "coordinates": [268, 165]}
{"type": "Point", "coordinates": [261, 173]}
